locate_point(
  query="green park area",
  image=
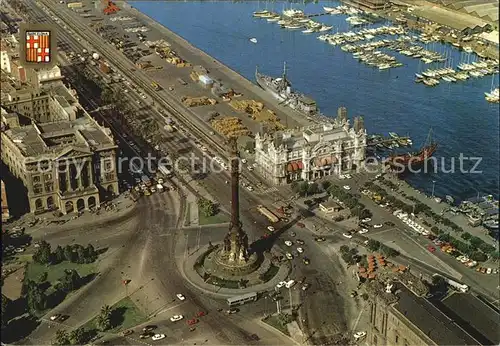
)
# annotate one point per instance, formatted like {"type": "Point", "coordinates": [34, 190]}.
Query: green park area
{"type": "Point", "coordinates": [209, 213]}
{"type": "Point", "coordinates": [55, 272]}
{"type": "Point", "coordinates": [279, 321]}
{"type": "Point", "coordinates": [118, 317]}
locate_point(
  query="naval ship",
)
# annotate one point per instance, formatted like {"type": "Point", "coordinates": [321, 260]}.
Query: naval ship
{"type": "Point", "coordinates": [281, 89]}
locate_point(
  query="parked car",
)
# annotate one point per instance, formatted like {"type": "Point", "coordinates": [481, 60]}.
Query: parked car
{"type": "Point", "coordinates": [149, 328]}
{"type": "Point", "coordinates": [180, 296]}
{"type": "Point", "coordinates": [288, 243]}
{"type": "Point", "coordinates": [192, 321]}
{"type": "Point", "coordinates": [158, 337]}
{"type": "Point", "coordinates": [320, 239]}
{"type": "Point", "coordinates": [127, 332]}
{"type": "Point", "coordinates": [176, 318]}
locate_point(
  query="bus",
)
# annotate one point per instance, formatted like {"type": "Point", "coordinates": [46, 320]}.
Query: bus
{"type": "Point", "coordinates": [240, 300]}
{"type": "Point", "coordinates": [165, 171]}
{"type": "Point", "coordinates": [268, 214]}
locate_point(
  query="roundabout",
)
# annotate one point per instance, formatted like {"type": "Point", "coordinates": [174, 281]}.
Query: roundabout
{"type": "Point", "coordinates": [233, 267]}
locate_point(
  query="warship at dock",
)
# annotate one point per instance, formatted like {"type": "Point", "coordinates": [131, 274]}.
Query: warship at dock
{"type": "Point", "coordinates": [281, 89]}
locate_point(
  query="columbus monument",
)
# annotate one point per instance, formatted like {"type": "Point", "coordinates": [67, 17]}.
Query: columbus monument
{"type": "Point", "coordinates": [234, 261]}
{"type": "Point", "coordinates": [234, 256]}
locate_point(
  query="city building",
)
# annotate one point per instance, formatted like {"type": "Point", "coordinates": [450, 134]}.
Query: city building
{"type": "Point", "coordinates": [313, 152]}
{"type": "Point", "coordinates": [5, 58]}
{"type": "Point", "coordinates": [44, 78]}
{"type": "Point", "coordinates": [68, 163]}
{"type": "Point", "coordinates": [399, 315]}
{"type": "Point", "coordinates": [42, 104]}
{"type": "Point", "coordinates": [329, 206]}
{"type": "Point", "coordinates": [4, 202]}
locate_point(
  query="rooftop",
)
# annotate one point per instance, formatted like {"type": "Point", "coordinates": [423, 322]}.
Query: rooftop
{"type": "Point", "coordinates": [51, 140]}
{"type": "Point", "coordinates": [430, 320]}
{"type": "Point", "coordinates": [473, 315]}
{"type": "Point", "coordinates": [452, 19]}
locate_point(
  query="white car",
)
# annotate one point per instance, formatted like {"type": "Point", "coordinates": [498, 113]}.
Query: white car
{"type": "Point", "coordinates": [158, 337]}
{"type": "Point", "coordinates": [366, 219]}
{"type": "Point", "coordinates": [379, 225]}
{"type": "Point", "coordinates": [176, 318]}
{"type": "Point", "coordinates": [180, 296]}
{"type": "Point", "coordinates": [363, 231]}
{"type": "Point", "coordinates": [347, 235]}
{"type": "Point", "coordinates": [270, 228]}
{"type": "Point", "coordinates": [359, 335]}
{"type": "Point", "coordinates": [249, 188]}
{"type": "Point", "coordinates": [288, 243]}
{"type": "Point", "coordinates": [243, 160]}
{"type": "Point", "coordinates": [347, 176]}
{"type": "Point", "coordinates": [300, 250]}
{"type": "Point", "coordinates": [346, 187]}
{"type": "Point", "coordinates": [281, 284]}
{"type": "Point", "coordinates": [55, 317]}
{"type": "Point", "coordinates": [489, 270]}
{"type": "Point", "coordinates": [290, 284]}
{"type": "Point", "coordinates": [289, 256]}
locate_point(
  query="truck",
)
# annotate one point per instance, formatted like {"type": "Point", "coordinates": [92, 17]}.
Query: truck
{"type": "Point", "coordinates": [104, 67]}
{"type": "Point", "coordinates": [268, 214]}
{"type": "Point", "coordinates": [146, 180]}
{"type": "Point", "coordinates": [156, 86]}
{"type": "Point", "coordinates": [454, 284]}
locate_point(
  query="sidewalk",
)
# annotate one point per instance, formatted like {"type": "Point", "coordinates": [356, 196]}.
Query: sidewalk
{"type": "Point", "coordinates": [459, 219]}
{"type": "Point", "coordinates": [124, 208]}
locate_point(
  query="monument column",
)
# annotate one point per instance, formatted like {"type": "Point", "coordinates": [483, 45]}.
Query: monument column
{"type": "Point", "coordinates": [68, 179]}
{"type": "Point", "coordinates": [89, 171]}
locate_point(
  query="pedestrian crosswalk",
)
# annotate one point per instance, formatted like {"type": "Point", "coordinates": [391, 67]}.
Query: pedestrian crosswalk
{"type": "Point", "coordinates": [268, 190]}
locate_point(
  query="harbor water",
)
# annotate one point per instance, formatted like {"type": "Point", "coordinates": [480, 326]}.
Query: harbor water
{"type": "Point", "coordinates": [463, 122]}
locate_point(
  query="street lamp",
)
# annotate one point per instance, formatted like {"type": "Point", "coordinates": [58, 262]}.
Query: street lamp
{"type": "Point", "coordinates": [433, 185]}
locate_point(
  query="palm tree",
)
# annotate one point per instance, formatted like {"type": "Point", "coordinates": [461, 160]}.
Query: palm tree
{"type": "Point", "coordinates": [104, 318]}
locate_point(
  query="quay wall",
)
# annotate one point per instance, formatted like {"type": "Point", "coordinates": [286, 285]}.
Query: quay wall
{"type": "Point", "coordinates": [233, 78]}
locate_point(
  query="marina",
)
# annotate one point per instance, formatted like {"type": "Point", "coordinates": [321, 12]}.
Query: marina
{"type": "Point", "coordinates": [389, 100]}
{"type": "Point", "coordinates": [394, 38]}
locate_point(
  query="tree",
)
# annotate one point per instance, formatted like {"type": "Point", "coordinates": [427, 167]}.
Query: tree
{"type": "Point", "coordinates": [373, 245]}
{"type": "Point", "coordinates": [71, 280]}
{"type": "Point", "coordinates": [108, 96]}
{"type": "Point", "coordinates": [104, 318]}
{"type": "Point", "coordinates": [37, 300]}
{"type": "Point", "coordinates": [62, 337]}
{"type": "Point", "coordinates": [325, 185]}
{"type": "Point", "coordinates": [5, 310]}
{"type": "Point", "coordinates": [78, 336]}
{"type": "Point", "coordinates": [466, 236]}
{"type": "Point", "coordinates": [250, 146]}
{"type": "Point", "coordinates": [43, 254]}
{"type": "Point", "coordinates": [68, 253]}
{"type": "Point", "coordinates": [388, 251]}
{"type": "Point", "coordinates": [365, 213]}
{"type": "Point", "coordinates": [42, 277]}
{"type": "Point", "coordinates": [478, 256]}
{"type": "Point", "coordinates": [207, 207]}
{"type": "Point", "coordinates": [80, 253]}
{"type": "Point", "coordinates": [58, 255]}
{"type": "Point", "coordinates": [312, 189]}
{"type": "Point", "coordinates": [344, 249]}
{"type": "Point", "coordinates": [90, 254]}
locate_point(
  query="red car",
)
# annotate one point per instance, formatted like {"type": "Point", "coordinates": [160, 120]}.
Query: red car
{"type": "Point", "coordinates": [431, 248]}
{"type": "Point", "coordinates": [301, 225]}
{"type": "Point", "coordinates": [193, 321]}
{"type": "Point", "coordinates": [200, 313]}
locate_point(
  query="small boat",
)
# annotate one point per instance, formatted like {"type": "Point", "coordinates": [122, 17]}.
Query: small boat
{"type": "Point", "coordinates": [308, 31]}
{"type": "Point", "coordinates": [261, 13]}
{"type": "Point", "coordinates": [325, 28]}
{"type": "Point", "coordinates": [253, 40]}
{"type": "Point", "coordinates": [394, 135]}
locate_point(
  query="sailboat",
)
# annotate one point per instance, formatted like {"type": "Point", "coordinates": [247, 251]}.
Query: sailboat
{"type": "Point", "coordinates": [253, 40]}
